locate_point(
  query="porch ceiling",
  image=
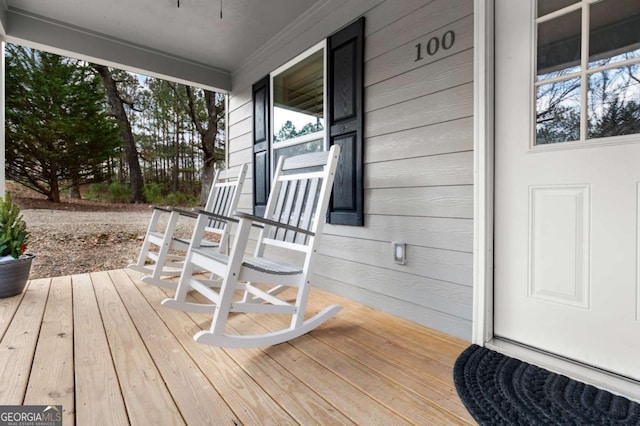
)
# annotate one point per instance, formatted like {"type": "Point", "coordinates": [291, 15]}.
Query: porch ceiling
{"type": "Point", "coordinates": [192, 34]}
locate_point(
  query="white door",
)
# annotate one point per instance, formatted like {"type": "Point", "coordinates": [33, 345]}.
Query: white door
{"type": "Point", "coordinates": [567, 179]}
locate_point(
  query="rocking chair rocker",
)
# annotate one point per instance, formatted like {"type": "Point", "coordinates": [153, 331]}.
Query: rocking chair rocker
{"type": "Point", "coordinates": [222, 201]}
{"type": "Point", "coordinates": [292, 223]}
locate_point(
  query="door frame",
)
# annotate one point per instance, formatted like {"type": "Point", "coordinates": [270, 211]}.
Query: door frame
{"type": "Point", "coordinates": [483, 222]}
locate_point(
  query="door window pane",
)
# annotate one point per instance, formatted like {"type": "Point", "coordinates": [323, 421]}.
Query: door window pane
{"type": "Point", "coordinates": [614, 32]}
{"type": "Point", "coordinates": [558, 112]}
{"type": "Point", "coordinates": [559, 46]}
{"type": "Point", "coordinates": [614, 102]}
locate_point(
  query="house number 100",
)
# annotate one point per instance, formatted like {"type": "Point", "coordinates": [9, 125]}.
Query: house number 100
{"type": "Point", "coordinates": [434, 43]}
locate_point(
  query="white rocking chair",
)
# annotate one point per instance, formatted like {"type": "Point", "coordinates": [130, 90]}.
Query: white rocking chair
{"type": "Point", "coordinates": [222, 200]}
{"type": "Point", "coordinates": [294, 216]}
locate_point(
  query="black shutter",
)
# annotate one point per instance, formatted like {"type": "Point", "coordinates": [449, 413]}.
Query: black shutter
{"type": "Point", "coordinates": [261, 129]}
{"type": "Point", "coordinates": [345, 71]}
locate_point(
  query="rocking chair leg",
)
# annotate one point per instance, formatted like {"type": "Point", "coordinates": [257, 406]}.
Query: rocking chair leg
{"type": "Point", "coordinates": [163, 252]}
{"type": "Point", "coordinates": [185, 277]}
{"type": "Point", "coordinates": [230, 281]}
{"type": "Point", "coordinates": [146, 245]}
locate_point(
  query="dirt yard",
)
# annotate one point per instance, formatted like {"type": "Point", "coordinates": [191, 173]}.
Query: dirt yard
{"type": "Point", "coordinates": [79, 236]}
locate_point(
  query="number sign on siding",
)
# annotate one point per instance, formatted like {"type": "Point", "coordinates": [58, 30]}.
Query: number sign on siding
{"type": "Point", "coordinates": [434, 44]}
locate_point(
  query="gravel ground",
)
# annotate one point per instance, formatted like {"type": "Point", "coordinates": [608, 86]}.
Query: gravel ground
{"type": "Point", "coordinates": [70, 242]}
{"type": "Point", "coordinates": [76, 237]}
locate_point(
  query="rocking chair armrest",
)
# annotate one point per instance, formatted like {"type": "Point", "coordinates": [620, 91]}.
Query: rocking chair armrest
{"type": "Point", "coordinates": [220, 217]}
{"type": "Point", "coordinates": [183, 212]}
{"type": "Point", "coordinates": [265, 221]}
{"type": "Point", "coordinates": [162, 209]}
{"type": "Point", "coordinates": [171, 209]}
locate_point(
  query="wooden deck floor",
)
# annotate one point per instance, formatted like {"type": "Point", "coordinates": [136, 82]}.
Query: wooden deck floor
{"type": "Point", "coordinates": [101, 345]}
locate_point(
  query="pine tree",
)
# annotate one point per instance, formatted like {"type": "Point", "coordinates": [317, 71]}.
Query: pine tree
{"type": "Point", "coordinates": [58, 131]}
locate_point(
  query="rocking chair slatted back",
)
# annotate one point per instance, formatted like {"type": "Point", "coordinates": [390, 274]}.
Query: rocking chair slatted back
{"type": "Point", "coordinates": [294, 198]}
{"type": "Point", "coordinates": [222, 201]}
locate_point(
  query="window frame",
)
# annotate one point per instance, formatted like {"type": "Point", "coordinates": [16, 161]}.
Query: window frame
{"type": "Point", "coordinates": [274, 146]}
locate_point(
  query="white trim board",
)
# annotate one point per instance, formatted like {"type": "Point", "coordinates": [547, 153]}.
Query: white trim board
{"type": "Point", "coordinates": [483, 106]}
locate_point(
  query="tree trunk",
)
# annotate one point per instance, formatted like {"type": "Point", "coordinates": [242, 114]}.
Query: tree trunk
{"type": "Point", "coordinates": [175, 170]}
{"type": "Point", "coordinates": [54, 188]}
{"type": "Point", "coordinates": [208, 172]}
{"type": "Point", "coordinates": [74, 191]}
{"type": "Point", "coordinates": [211, 155]}
{"type": "Point", "coordinates": [74, 174]}
{"type": "Point", "coordinates": [131, 153]}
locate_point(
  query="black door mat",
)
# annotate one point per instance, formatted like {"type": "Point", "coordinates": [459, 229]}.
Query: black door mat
{"type": "Point", "coordinates": [500, 390]}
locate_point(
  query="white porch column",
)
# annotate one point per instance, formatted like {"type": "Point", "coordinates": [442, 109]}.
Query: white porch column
{"type": "Point", "coordinates": [2, 123]}
{"type": "Point", "coordinates": [483, 172]}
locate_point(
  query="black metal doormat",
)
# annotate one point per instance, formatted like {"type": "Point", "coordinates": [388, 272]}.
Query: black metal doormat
{"type": "Point", "coordinates": [499, 390]}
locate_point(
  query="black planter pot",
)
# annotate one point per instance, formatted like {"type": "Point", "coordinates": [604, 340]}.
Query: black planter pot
{"type": "Point", "coordinates": [14, 275]}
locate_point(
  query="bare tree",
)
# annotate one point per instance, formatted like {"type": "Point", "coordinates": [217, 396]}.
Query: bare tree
{"type": "Point", "coordinates": [117, 103]}
{"type": "Point", "coordinates": [208, 123]}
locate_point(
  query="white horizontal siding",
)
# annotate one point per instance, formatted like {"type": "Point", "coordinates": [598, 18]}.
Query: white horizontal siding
{"type": "Point", "coordinates": [438, 170]}
{"type": "Point", "coordinates": [418, 158]}
{"type": "Point", "coordinates": [443, 321]}
{"type": "Point", "coordinates": [439, 201]}
{"type": "Point", "coordinates": [440, 138]}
{"type": "Point", "coordinates": [416, 289]}
{"type": "Point", "coordinates": [449, 72]}
{"type": "Point", "coordinates": [438, 264]}
{"type": "Point", "coordinates": [239, 128]}
{"type": "Point", "coordinates": [435, 232]}
{"type": "Point", "coordinates": [446, 105]}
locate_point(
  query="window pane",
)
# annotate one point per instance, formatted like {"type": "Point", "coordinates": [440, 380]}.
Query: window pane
{"type": "Point", "coordinates": [548, 6]}
{"type": "Point", "coordinates": [614, 102]}
{"type": "Point", "coordinates": [298, 99]}
{"type": "Point", "coordinates": [559, 46]}
{"type": "Point", "coordinates": [614, 33]}
{"type": "Point", "coordinates": [558, 112]}
{"type": "Point", "coordinates": [302, 148]}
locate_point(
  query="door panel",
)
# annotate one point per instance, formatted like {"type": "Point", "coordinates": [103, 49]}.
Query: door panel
{"type": "Point", "coordinates": [559, 244]}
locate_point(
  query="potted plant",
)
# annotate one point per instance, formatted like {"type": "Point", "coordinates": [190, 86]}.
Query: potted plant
{"type": "Point", "coordinates": [15, 265]}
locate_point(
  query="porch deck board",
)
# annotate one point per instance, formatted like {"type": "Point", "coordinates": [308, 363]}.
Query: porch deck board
{"type": "Point", "coordinates": [18, 344]}
{"type": "Point", "coordinates": [55, 341]}
{"type": "Point", "coordinates": [96, 377]}
{"type": "Point", "coordinates": [101, 345]}
{"type": "Point", "coordinates": [146, 397]}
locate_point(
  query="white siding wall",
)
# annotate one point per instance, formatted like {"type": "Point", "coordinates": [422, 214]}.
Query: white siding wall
{"type": "Point", "coordinates": [418, 158]}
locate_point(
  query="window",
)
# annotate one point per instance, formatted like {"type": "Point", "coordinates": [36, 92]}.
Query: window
{"type": "Point", "coordinates": [298, 105]}
{"type": "Point", "coordinates": [315, 101]}
{"type": "Point", "coordinates": [587, 81]}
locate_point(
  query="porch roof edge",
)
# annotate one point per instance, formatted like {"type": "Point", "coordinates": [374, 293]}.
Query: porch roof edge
{"type": "Point", "coordinates": [46, 34]}
{"type": "Point", "coordinates": [3, 17]}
